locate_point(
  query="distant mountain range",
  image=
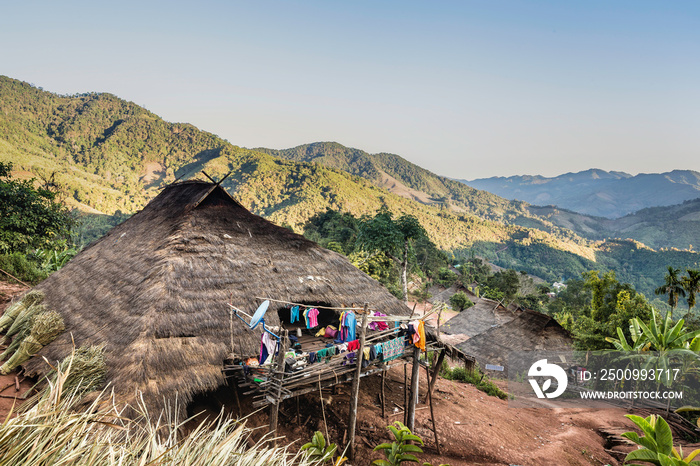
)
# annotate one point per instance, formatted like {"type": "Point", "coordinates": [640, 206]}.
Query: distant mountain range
{"type": "Point", "coordinates": [111, 155]}
{"type": "Point", "coordinates": [597, 192]}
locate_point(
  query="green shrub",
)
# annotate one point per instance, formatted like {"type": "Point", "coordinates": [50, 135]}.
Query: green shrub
{"type": "Point", "coordinates": [460, 301]}
{"type": "Point", "coordinates": [21, 267]}
{"type": "Point", "coordinates": [445, 277]}
{"type": "Point", "coordinates": [475, 377]}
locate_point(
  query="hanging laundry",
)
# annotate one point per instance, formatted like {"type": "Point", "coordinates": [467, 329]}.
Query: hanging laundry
{"type": "Point", "coordinates": [342, 326]}
{"type": "Point", "coordinates": [306, 317]}
{"type": "Point", "coordinates": [353, 345]}
{"type": "Point", "coordinates": [378, 324]}
{"type": "Point", "coordinates": [419, 337]}
{"type": "Point", "coordinates": [372, 352]}
{"type": "Point", "coordinates": [294, 317]}
{"type": "Point", "coordinates": [349, 359]}
{"type": "Point", "coordinates": [313, 318]}
{"type": "Point", "coordinates": [349, 326]}
{"type": "Point", "coordinates": [378, 349]}
{"type": "Point", "coordinates": [365, 352]}
{"type": "Point", "coordinates": [393, 349]}
{"type": "Point", "coordinates": [412, 328]}
{"type": "Point", "coordinates": [268, 345]}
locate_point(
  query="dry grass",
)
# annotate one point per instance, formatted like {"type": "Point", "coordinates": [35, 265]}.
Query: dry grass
{"type": "Point", "coordinates": [52, 432]}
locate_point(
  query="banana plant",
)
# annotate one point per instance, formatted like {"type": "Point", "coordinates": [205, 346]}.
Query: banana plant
{"type": "Point", "coordinates": [638, 341]}
{"type": "Point", "coordinates": [667, 336]}
{"type": "Point", "coordinates": [399, 451]}
{"type": "Point", "coordinates": [657, 336]}
{"type": "Point", "coordinates": [318, 449]}
{"type": "Point", "coordinates": [656, 445]}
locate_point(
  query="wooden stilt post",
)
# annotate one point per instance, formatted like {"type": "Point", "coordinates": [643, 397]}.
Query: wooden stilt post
{"type": "Point", "coordinates": [383, 397]}
{"type": "Point", "coordinates": [356, 385]}
{"type": "Point", "coordinates": [432, 414]}
{"type": "Point", "coordinates": [413, 399]}
{"type": "Point", "coordinates": [278, 376]}
{"type": "Point", "coordinates": [436, 372]}
{"type": "Point", "coordinates": [405, 395]}
{"type": "Point", "coordinates": [235, 394]}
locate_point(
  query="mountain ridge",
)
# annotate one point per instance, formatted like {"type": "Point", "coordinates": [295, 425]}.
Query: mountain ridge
{"type": "Point", "coordinates": [112, 155]}
{"type": "Point", "coordinates": [597, 192]}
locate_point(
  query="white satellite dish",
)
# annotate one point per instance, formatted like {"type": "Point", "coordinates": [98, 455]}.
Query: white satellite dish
{"type": "Point", "coordinates": [257, 318]}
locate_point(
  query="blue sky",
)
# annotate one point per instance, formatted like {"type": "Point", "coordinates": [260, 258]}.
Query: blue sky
{"type": "Point", "coordinates": [465, 89]}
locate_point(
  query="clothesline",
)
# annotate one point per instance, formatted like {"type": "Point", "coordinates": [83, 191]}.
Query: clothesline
{"type": "Point", "coordinates": [314, 305]}
{"type": "Point", "coordinates": [389, 318]}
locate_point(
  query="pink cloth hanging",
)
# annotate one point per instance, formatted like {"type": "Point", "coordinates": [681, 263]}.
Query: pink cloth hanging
{"type": "Point", "coordinates": [313, 318]}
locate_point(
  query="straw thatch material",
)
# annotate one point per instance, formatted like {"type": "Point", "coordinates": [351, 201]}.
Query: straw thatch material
{"type": "Point", "coordinates": [529, 331]}
{"type": "Point", "coordinates": [85, 368]}
{"type": "Point", "coordinates": [11, 313]}
{"type": "Point", "coordinates": [20, 328]}
{"type": "Point", "coordinates": [45, 327]}
{"type": "Point", "coordinates": [154, 291]}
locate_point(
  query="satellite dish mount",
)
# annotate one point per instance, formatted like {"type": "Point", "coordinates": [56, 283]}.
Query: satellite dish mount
{"type": "Point", "coordinates": [257, 318]}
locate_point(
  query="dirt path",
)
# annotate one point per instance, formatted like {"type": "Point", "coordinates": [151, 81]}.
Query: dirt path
{"type": "Point", "coordinates": [475, 428]}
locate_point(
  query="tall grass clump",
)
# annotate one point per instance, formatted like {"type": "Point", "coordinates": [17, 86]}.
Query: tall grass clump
{"type": "Point", "coordinates": [54, 431]}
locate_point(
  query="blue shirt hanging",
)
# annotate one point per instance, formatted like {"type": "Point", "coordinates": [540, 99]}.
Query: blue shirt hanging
{"type": "Point", "coordinates": [350, 324]}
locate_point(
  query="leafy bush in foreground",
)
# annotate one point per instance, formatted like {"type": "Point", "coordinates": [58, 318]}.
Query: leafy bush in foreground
{"type": "Point", "coordinates": [656, 445]}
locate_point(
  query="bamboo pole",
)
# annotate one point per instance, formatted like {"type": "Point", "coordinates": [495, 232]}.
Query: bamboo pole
{"type": "Point", "coordinates": [356, 385]}
{"type": "Point", "coordinates": [275, 408]}
{"type": "Point", "coordinates": [383, 395]}
{"type": "Point", "coordinates": [405, 395]}
{"type": "Point", "coordinates": [413, 401]}
{"type": "Point", "coordinates": [432, 413]}
{"type": "Point", "coordinates": [436, 372]}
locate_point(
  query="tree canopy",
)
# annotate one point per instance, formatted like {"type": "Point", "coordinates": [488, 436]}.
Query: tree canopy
{"type": "Point", "coordinates": [30, 217]}
{"type": "Point", "coordinates": [381, 246]}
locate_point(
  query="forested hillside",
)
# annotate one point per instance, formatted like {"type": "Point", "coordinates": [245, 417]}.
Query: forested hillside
{"type": "Point", "coordinates": [107, 156]}
{"type": "Point", "coordinates": [651, 226]}
{"type": "Point", "coordinates": [676, 226]}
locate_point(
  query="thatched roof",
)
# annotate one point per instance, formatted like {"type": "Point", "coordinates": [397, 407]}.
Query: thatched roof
{"type": "Point", "coordinates": [531, 330]}
{"type": "Point", "coordinates": [482, 316]}
{"type": "Point", "coordinates": [155, 290]}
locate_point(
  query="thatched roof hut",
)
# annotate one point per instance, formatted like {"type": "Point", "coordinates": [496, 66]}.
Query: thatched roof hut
{"type": "Point", "coordinates": [529, 331]}
{"type": "Point", "coordinates": [483, 315]}
{"type": "Point", "coordinates": [155, 290]}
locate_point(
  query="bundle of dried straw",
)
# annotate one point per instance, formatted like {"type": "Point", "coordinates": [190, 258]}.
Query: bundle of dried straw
{"type": "Point", "coordinates": [27, 301]}
{"type": "Point", "coordinates": [45, 327]}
